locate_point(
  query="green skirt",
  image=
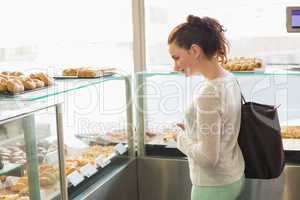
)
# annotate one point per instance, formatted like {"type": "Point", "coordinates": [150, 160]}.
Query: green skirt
{"type": "Point", "coordinates": [224, 192]}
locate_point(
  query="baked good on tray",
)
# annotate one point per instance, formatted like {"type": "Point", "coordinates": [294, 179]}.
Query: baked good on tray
{"type": "Point", "coordinates": [70, 72]}
{"type": "Point", "coordinates": [15, 86]}
{"type": "Point", "coordinates": [13, 197]}
{"type": "Point", "coordinates": [243, 64]}
{"type": "Point", "coordinates": [16, 82]}
{"type": "Point", "coordinates": [90, 72]}
{"type": "Point", "coordinates": [43, 77]}
{"type": "Point", "coordinates": [86, 72]}
{"type": "Point", "coordinates": [3, 84]}
{"type": "Point", "coordinates": [13, 73]}
{"type": "Point", "coordinates": [290, 132]}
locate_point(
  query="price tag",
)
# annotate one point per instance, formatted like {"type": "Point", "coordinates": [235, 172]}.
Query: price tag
{"type": "Point", "coordinates": [88, 170]}
{"type": "Point", "coordinates": [171, 144]}
{"type": "Point", "coordinates": [75, 178]}
{"type": "Point", "coordinates": [102, 161]}
{"type": "Point", "coordinates": [120, 148]}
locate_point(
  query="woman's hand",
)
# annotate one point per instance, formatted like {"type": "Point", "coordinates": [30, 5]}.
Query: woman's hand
{"type": "Point", "coordinates": [181, 125]}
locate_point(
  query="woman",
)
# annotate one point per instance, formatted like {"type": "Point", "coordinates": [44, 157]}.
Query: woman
{"type": "Point", "coordinates": [212, 121]}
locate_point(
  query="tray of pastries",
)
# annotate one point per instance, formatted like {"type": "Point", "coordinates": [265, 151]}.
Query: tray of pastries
{"type": "Point", "coordinates": [13, 187]}
{"type": "Point", "coordinates": [243, 64]}
{"type": "Point", "coordinates": [14, 83]}
{"type": "Point", "coordinates": [13, 197]}
{"type": "Point", "coordinates": [87, 156]}
{"type": "Point", "coordinates": [16, 153]}
{"type": "Point", "coordinates": [112, 137]}
{"type": "Point", "coordinates": [85, 72]}
{"type": "Point", "coordinates": [290, 132]}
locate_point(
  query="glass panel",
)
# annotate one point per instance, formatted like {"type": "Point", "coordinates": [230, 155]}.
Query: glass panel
{"type": "Point", "coordinates": [168, 94]}
{"type": "Point", "coordinates": [14, 181]}
{"type": "Point", "coordinates": [47, 147]}
{"type": "Point", "coordinates": [94, 123]}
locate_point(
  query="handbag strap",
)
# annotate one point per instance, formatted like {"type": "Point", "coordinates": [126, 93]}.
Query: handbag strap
{"type": "Point", "coordinates": [242, 96]}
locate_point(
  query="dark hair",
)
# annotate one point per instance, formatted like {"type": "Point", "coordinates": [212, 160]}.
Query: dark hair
{"type": "Point", "coordinates": [205, 32]}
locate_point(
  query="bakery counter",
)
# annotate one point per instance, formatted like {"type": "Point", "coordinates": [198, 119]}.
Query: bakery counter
{"type": "Point", "coordinates": [165, 173]}
{"type": "Point", "coordinates": [116, 181]}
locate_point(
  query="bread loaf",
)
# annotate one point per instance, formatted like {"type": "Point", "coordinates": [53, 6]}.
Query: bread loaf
{"type": "Point", "coordinates": [15, 86]}
{"type": "Point", "coordinates": [90, 72]}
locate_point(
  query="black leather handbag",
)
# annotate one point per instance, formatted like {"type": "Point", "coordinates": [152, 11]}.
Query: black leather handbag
{"type": "Point", "coordinates": [260, 141]}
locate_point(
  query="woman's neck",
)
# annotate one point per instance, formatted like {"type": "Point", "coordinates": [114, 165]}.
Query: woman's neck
{"type": "Point", "coordinates": [212, 70]}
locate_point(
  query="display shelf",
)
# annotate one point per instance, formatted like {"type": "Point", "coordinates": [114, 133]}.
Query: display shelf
{"type": "Point", "coordinates": [99, 163]}
{"type": "Point", "coordinates": [12, 168]}
{"type": "Point", "coordinates": [60, 86]}
{"type": "Point", "coordinates": [92, 185]}
{"type": "Point", "coordinates": [14, 109]}
{"type": "Point", "coordinates": [288, 70]}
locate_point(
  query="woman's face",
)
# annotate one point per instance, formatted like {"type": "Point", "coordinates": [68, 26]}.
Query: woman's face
{"type": "Point", "coordinates": [185, 60]}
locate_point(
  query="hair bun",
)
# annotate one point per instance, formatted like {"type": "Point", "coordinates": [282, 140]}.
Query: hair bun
{"type": "Point", "coordinates": [191, 19]}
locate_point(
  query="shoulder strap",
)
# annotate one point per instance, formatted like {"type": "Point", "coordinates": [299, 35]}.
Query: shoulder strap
{"type": "Point", "coordinates": [243, 98]}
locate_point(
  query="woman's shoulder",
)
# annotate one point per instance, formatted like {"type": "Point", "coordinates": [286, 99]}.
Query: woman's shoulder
{"type": "Point", "coordinates": [215, 88]}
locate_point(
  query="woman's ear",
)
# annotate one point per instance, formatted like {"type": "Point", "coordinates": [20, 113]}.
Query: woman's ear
{"type": "Point", "coordinates": [196, 51]}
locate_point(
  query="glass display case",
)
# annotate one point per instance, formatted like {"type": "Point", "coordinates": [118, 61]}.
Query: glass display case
{"type": "Point", "coordinates": [86, 148]}
{"type": "Point", "coordinates": [161, 98]}
{"type": "Point", "coordinates": [31, 151]}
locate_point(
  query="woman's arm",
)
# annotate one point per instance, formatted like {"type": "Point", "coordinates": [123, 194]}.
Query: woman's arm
{"type": "Point", "coordinates": [205, 149]}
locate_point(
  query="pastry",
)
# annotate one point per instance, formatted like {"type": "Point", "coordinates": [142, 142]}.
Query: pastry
{"type": "Point", "coordinates": [90, 72]}
{"type": "Point", "coordinates": [3, 85]}
{"type": "Point", "coordinates": [3, 76]}
{"type": "Point", "coordinates": [43, 77]}
{"type": "Point", "coordinates": [29, 84]}
{"type": "Point", "coordinates": [244, 67]}
{"type": "Point", "coordinates": [15, 86]}
{"type": "Point", "coordinates": [16, 73]}
{"type": "Point", "coordinates": [9, 197]}
{"type": "Point", "coordinates": [21, 184]}
{"type": "Point", "coordinates": [2, 178]}
{"type": "Point", "coordinates": [69, 170]}
{"type": "Point", "coordinates": [6, 73]}
{"type": "Point", "coordinates": [291, 132]}
{"type": "Point", "coordinates": [23, 198]}
{"type": "Point", "coordinates": [243, 64]}
{"type": "Point", "coordinates": [71, 72]}
{"type": "Point", "coordinates": [48, 179]}
{"type": "Point", "coordinates": [38, 83]}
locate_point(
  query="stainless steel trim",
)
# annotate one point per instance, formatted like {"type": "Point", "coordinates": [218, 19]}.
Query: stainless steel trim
{"type": "Point", "coordinates": [61, 154]}
{"type": "Point", "coordinates": [31, 156]}
{"type": "Point", "coordinates": [139, 50]}
{"type": "Point", "coordinates": [129, 112]}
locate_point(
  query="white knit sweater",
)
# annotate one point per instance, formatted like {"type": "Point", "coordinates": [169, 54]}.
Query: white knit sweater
{"type": "Point", "coordinates": [210, 138]}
